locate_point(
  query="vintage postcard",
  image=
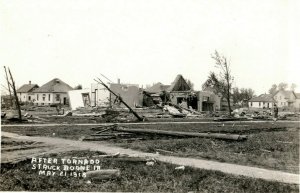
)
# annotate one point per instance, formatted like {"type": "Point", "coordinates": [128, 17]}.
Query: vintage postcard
{"type": "Point", "coordinates": [150, 96]}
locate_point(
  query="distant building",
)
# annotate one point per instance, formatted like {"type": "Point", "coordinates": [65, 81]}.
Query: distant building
{"type": "Point", "coordinates": [25, 92]}
{"type": "Point", "coordinates": [262, 101]}
{"type": "Point", "coordinates": [53, 92]}
{"type": "Point", "coordinates": [287, 98]}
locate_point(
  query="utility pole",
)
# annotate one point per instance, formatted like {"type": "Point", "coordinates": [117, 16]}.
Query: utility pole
{"type": "Point", "coordinates": [121, 100]}
{"type": "Point", "coordinates": [8, 84]}
{"type": "Point", "coordinates": [16, 96]}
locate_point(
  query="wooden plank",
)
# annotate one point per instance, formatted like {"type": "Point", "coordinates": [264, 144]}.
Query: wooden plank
{"type": "Point", "coordinates": [185, 134]}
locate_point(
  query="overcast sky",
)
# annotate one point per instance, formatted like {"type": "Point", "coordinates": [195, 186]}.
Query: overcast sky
{"type": "Point", "coordinates": [144, 42]}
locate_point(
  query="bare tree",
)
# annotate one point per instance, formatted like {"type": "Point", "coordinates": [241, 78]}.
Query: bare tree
{"type": "Point", "coordinates": [223, 82]}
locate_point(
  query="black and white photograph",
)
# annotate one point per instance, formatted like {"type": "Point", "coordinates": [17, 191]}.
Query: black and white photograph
{"type": "Point", "coordinates": [150, 96]}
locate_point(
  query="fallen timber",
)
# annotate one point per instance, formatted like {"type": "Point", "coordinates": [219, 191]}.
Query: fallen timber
{"type": "Point", "coordinates": [185, 134]}
{"type": "Point", "coordinates": [121, 100]}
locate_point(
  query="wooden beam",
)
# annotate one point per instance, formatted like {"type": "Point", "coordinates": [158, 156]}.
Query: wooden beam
{"type": "Point", "coordinates": [185, 134]}
{"type": "Point", "coordinates": [16, 96]}
{"type": "Point", "coordinates": [122, 101]}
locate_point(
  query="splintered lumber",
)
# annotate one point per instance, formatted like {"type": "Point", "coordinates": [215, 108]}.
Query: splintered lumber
{"type": "Point", "coordinates": [103, 130]}
{"type": "Point", "coordinates": [184, 134]}
{"type": "Point", "coordinates": [99, 175]}
{"type": "Point", "coordinates": [15, 94]}
{"type": "Point", "coordinates": [164, 151]}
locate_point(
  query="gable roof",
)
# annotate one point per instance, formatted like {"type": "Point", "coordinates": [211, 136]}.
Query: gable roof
{"type": "Point", "coordinates": [263, 98]}
{"type": "Point", "coordinates": [157, 88]}
{"type": "Point", "coordinates": [53, 86]}
{"type": "Point", "coordinates": [27, 88]}
{"type": "Point", "coordinates": [286, 93]}
{"type": "Point", "coordinates": [179, 84]}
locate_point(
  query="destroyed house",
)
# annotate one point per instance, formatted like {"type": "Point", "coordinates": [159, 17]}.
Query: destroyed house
{"type": "Point", "coordinates": [25, 92]}
{"type": "Point", "coordinates": [180, 93]}
{"type": "Point", "coordinates": [53, 92]}
{"type": "Point", "coordinates": [220, 103]}
{"type": "Point", "coordinates": [154, 94]}
{"type": "Point", "coordinates": [130, 94]}
{"type": "Point", "coordinates": [262, 101]}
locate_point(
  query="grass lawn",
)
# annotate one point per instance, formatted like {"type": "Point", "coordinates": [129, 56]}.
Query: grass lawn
{"type": "Point", "coordinates": [272, 146]}
{"type": "Point", "coordinates": [135, 176]}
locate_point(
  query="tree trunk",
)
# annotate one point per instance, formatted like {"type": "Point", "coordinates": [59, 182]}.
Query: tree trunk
{"type": "Point", "coordinates": [228, 100]}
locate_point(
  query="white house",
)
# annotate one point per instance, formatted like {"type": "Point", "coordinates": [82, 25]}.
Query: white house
{"type": "Point", "coordinates": [53, 92]}
{"type": "Point", "coordinates": [286, 98]}
{"type": "Point", "coordinates": [25, 93]}
{"type": "Point", "coordinates": [262, 101]}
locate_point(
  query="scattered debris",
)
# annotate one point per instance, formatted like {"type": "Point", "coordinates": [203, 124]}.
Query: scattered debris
{"type": "Point", "coordinates": [68, 113]}
{"type": "Point", "coordinates": [99, 175]}
{"type": "Point", "coordinates": [265, 150]}
{"type": "Point", "coordinates": [180, 168]}
{"type": "Point", "coordinates": [121, 100]}
{"type": "Point", "coordinates": [164, 151]}
{"type": "Point", "coordinates": [3, 114]}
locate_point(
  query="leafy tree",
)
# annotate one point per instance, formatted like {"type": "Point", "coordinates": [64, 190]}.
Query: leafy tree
{"type": "Point", "coordinates": [189, 82]}
{"type": "Point", "coordinates": [293, 86]}
{"type": "Point", "coordinates": [246, 93]}
{"type": "Point", "coordinates": [78, 87]}
{"type": "Point", "coordinates": [273, 89]}
{"type": "Point", "coordinates": [223, 82]}
{"type": "Point", "coordinates": [282, 86]}
{"type": "Point", "coordinates": [236, 95]}
{"type": "Point", "coordinates": [240, 95]}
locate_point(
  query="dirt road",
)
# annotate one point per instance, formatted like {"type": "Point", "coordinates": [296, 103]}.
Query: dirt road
{"type": "Point", "coordinates": [197, 163]}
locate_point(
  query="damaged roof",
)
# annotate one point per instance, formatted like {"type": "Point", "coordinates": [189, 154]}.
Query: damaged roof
{"type": "Point", "coordinates": [27, 88]}
{"type": "Point", "coordinates": [179, 84]}
{"type": "Point", "coordinates": [53, 86]}
{"type": "Point", "coordinates": [157, 88]}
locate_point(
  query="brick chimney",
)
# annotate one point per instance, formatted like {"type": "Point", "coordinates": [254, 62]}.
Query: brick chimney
{"type": "Point", "coordinates": [29, 81]}
{"type": "Point", "coordinates": [119, 82]}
